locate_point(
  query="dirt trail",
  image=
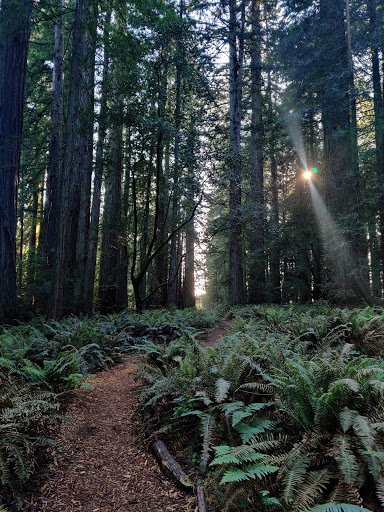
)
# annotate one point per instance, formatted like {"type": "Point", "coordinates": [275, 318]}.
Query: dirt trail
{"type": "Point", "coordinates": [213, 336]}
{"type": "Point", "coordinates": [101, 463]}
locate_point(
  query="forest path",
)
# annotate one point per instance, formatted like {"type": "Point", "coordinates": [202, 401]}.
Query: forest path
{"type": "Point", "coordinates": [211, 338]}
{"type": "Point", "coordinates": [102, 463]}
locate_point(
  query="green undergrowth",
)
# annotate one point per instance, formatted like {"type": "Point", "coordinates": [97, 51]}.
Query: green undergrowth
{"type": "Point", "coordinates": [41, 362]}
{"type": "Point", "coordinates": [286, 413]}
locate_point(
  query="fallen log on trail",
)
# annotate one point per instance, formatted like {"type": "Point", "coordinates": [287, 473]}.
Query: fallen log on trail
{"type": "Point", "coordinates": [170, 467]}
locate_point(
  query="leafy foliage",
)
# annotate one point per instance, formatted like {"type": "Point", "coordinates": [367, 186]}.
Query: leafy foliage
{"type": "Point", "coordinates": [287, 405]}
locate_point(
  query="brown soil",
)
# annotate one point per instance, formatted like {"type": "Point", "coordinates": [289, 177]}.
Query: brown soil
{"type": "Point", "coordinates": [102, 463]}
{"type": "Point", "coordinates": [212, 337]}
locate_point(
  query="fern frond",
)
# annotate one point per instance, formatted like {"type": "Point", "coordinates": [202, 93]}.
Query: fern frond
{"type": "Point", "coordinates": [208, 424]}
{"type": "Point", "coordinates": [347, 417]}
{"type": "Point", "coordinates": [247, 473]}
{"type": "Point", "coordinates": [343, 492]}
{"type": "Point", "coordinates": [314, 486]}
{"type": "Point", "coordinates": [337, 507]}
{"type": "Point", "coordinates": [266, 389]}
{"type": "Point", "coordinates": [249, 431]}
{"type": "Point", "coordinates": [295, 473]}
{"type": "Point", "coordinates": [222, 388]}
{"type": "Point", "coordinates": [346, 459]}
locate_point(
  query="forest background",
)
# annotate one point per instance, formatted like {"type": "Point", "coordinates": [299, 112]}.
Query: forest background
{"type": "Point", "coordinates": [135, 136]}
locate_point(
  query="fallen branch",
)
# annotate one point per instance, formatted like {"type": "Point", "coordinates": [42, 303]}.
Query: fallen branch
{"type": "Point", "coordinates": [200, 499]}
{"type": "Point", "coordinates": [170, 467]}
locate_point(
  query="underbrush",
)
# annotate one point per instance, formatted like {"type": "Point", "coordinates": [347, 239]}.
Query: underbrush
{"type": "Point", "coordinates": [41, 362]}
{"type": "Point", "coordinates": [287, 409]}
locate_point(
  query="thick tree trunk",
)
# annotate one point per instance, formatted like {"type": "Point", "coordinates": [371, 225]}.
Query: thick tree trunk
{"type": "Point", "coordinates": [14, 40]}
{"type": "Point", "coordinates": [236, 280]}
{"type": "Point", "coordinates": [110, 244]}
{"type": "Point", "coordinates": [68, 212]}
{"type": "Point", "coordinates": [257, 257]}
{"type": "Point", "coordinates": [159, 298]}
{"type": "Point", "coordinates": [173, 256]}
{"type": "Point", "coordinates": [342, 189]}
{"type": "Point", "coordinates": [75, 175]}
{"type": "Point", "coordinates": [90, 268]}
{"type": "Point", "coordinates": [379, 136]}
{"type": "Point", "coordinates": [122, 271]}
{"type": "Point", "coordinates": [49, 225]}
{"type": "Point", "coordinates": [85, 162]}
{"type": "Point", "coordinates": [274, 223]}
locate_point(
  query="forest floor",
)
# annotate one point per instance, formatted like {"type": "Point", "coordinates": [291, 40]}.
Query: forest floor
{"type": "Point", "coordinates": [102, 463]}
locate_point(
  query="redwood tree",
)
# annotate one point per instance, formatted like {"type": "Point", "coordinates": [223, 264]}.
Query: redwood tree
{"type": "Point", "coordinates": [14, 40]}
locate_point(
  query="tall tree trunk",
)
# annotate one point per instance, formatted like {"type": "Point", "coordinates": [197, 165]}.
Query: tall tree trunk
{"type": "Point", "coordinates": [274, 223]}
{"type": "Point", "coordinates": [122, 270]}
{"type": "Point", "coordinates": [110, 244]}
{"type": "Point", "coordinates": [189, 298]}
{"type": "Point", "coordinates": [31, 263]}
{"type": "Point", "coordinates": [236, 280]}
{"type": "Point", "coordinates": [75, 161]}
{"type": "Point", "coordinates": [49, 225]}
{"type": "Point", "coordinates": [68, 171]}
{"type": "Point", "coordinates": [342, 191]}
{"type": "Point", "coordinates": [85, 162]}
{"type": "Point", "coordinates": [257, 256]}
{"type": "Point", "coordinates": [14, 40]}
{"type": "Point", "coordinates": [189, 277]}
{"type": "Point", "coordinates": [173, 256]}
{"type": "Point", "coordinates": [145, 239]}
{"type": "Point", "coordinates": [159, 298]}
{"type": "Point", "coordinates": [90, 268]}
{"type": "Point", "coordinates": [379, 130]}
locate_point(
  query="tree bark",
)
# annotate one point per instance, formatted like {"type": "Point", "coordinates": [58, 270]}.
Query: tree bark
{"type": "Point", "coordinates": [342, 188]}
{"type": "Point", "coordinates": [236, 280]}
{"type": "Point", "coordinates": [85, 162]}
{"type": "Point", "coordinates": [274, 223]}
{"type": "Point", "coordinates": [67, 175]}
{"type": "Point", "coordinates": [90, 268]}
{"type": "Point", "coordinates": [75, 174]}
{"type": "Point", "coordinates": [110, 244]}
{"type": "Point", "coordinates": [14, 41]}
{"type": "Point", "coordinates": [173, 256]}
{"type": "Point", "coordinates": [257, 256]}
{"type": "Point", "coordinates": [379, 137]}
{"type": "Point", "coordinates": [49, 225]}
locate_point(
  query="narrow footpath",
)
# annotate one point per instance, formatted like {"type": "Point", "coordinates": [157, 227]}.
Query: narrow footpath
{"type": "Point", "coordinates": [102, 463]}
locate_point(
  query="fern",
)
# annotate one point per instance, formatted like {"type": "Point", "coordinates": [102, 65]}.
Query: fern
{"type": "Point", "coordinates": [208, 424]}
{"type": "Point", "coordinates": [222, 388]}
{"type": "Point", "coordinates": [294, 476]}
{"type": "Point", "coordinates": [314, 487]}
{"type": "Point", "coordinates": [337, 507]}
{"type": "Point", "coordinates": [346, 459]}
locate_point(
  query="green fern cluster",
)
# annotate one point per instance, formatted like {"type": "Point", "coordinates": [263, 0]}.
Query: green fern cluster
{"type": "Point", "coordinates": [24, 410]}
{"type": "Point", "coordinates": [286, 410]}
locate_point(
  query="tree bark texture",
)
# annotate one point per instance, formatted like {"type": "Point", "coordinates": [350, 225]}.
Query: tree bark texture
{"type": "Point", "coordinates": [110, 244]}
{"type": "Point", "coordinates": [75, 173]}
{"type": "Point", "coordinates": [14, 40]}
{"type": "Point", "coordinates": [236, 279]}
{"type": "Point", "coordinates": [379, 133]}
{"type": "Point", "coordinates": [49, 227]}
{"type": "Point", "coordinates": [173, 253]}
{"type": "Point", "coordinates": [257, 254]}
{"type": "Point", "coordinates": [342, 186]}
{"type": "Point", "coordinates": [90, 267]}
